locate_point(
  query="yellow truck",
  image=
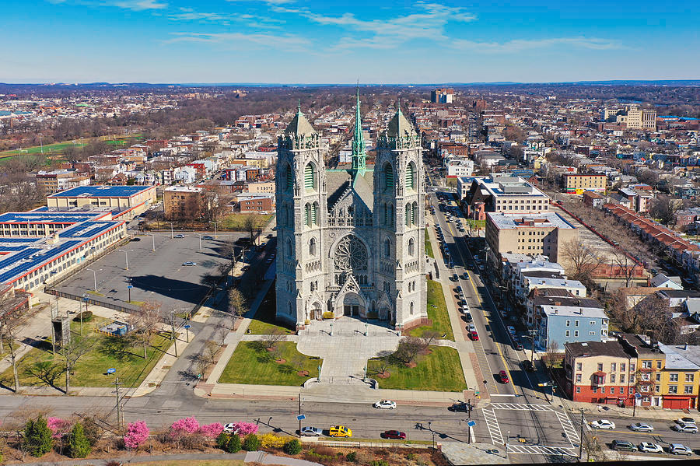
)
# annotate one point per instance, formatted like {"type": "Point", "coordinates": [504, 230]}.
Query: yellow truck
{"type": "Point", "coordinates": [339, 431]}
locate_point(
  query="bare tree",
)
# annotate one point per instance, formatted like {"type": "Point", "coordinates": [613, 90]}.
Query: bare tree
{"type": "Point", "coordinates": [552, 353]}
{"type": "Point", "coordinates": [236, 303]}
{"type": "Point", "coordinates": [430, 336]}
{"type": "Point", "coordinates": [409, 348]}
{"type": "Point", "coordinates": [145, 324]}
{"type": "Point", "coordinates": [271, 338]}
{"type": "Point", "coordinates": [626, 266]}
{"type": "Point", "coordinates": [582, 260]}
{"type": "Point", "coordinates": [251, 223]}
{"type": "Point", "coordinates": [10, 329]}
{"type": "Point", "coordinates": [71, 352]}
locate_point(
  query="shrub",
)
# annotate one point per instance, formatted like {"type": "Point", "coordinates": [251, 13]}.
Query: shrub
{"type": "Point", "coordinates": [379, 463]}
{"type": "Point", "coordinates": [271, 440]}
{"type": "Point", "coordinates": [92, 430]}
{"type": "Point", "coordinates": [86, 315]}
{"type": "Point", "coordinates": [212, 430]}
{"type": "Point", "coordinates": [222, 440]}
{"type": "Point", "coordinates": [136, 435]}
{"type": "Point", "coordinates": [251, 443]}
{"type": "Point", "coordinates": [327, 315]}
{"type": "Point", "coordinates": [292, 447]}
{"type": "Point", "coordinates": [234, 444]}
{"type": "Point", "coordinates": [37, 437]}
{"type": "Point", "coordinates": [79, 446]}
{"type": "Point", "coordinates": [352, 457]}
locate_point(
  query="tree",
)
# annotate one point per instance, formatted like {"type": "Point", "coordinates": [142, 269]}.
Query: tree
{"type": "Point", "coordinates": [409, 348]}
{"type": "Point", "coordinates": [145, 324]}
{"type": "Point", "coordinates": [79, 445]}
{"type": "Point", "coordinates": [552, 353]}
{"type": "Point", "coordinates": [663, 209]}
{"type": "Point", "coordinates": [234, 444]}
{"type": "Point", "coordinates": [236, 303]}
{"type": "Point", "coordinates": [251, 443]}
{"type": "Point", "coordinates": [71, 352]}
{"type": "Point", "coordinates": [582, 260]}
{"type": "Point", "coordinates": [251, 224]}
{"type": "Point", "coordinates": [292, 447]}
{"type": "Point", "coordinates": [10, 329]}
{"type": "Point", "coordinates": [626, 266]}
{"type": "Point", "coordinates": [37, 437]}
{"type": "Point", "coordinates": [136, 435]}
{"type": "Point", "coordinates": [271, 338]}
{"type": "Point", "coordinates": [430, 336]}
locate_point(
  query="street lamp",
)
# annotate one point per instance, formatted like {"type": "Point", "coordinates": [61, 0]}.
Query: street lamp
{"type": "Point", "coordinates": [94, 276]}
{"type": "Point", "coordinates": [366, 328]}
{"type": "Point", "coordinates": [127, 259]}
{"type": "Point", "coordinates": [172, 232]}
{"type": "Point", "coordinates": [331, 329]}
{"type": "Point", "coordinates": [153, 237]}
{"type": "Point", "coordinates": [200, 242]}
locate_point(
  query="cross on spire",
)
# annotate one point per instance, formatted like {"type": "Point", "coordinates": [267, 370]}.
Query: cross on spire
{"type": "Point", "coordinates": [358, 141]}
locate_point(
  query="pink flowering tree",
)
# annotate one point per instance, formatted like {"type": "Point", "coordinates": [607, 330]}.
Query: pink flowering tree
{"type": "Point", "coordinates": [243, 429]}
{"type": "Point", "coordinates": [211, 430]}
{"type": "Point", "coordinates": [188, 425]}
{"type": "Point", "coordinates": [59, 427]}
{"type": "Point", "coordinates": [136, 435]}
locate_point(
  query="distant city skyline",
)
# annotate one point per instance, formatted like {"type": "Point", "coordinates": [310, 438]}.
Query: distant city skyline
{"type": "Point", "coordinates": [312, 42]}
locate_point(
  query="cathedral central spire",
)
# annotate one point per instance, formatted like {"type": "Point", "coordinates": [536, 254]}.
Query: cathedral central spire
{"type": "Point", "coordinates": [358, 142]}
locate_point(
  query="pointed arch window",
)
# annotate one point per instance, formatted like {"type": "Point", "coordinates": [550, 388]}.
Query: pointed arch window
{"type": "Point", "coordinates": [310, 177]}
{"type": "Point", "coordinates": [312, 247]}
{"type": "Point", "coordinates": [411, 247]}
{"type": "Point", "coordinates": [391, 215]}
{"type": "Point", "coordinates": [387, 247]}
{"type": "Point", "coordinates": [307, 215]}
{"type": "Point", "coordinates": [410, 176]}
{"type": "Point", "coordinates": [409, 214]}
{"type": "Point", "coordinates": [388, 177]}
{"type": "Point", "coordinates": [290, 178]}
{"type": "Point", "coordinates": [314, 213]}
{"type": "Point", "coordinates": [414, 214]}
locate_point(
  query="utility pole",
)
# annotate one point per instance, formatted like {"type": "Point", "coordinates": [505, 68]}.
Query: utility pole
{"type": "Point", "coordinates": [172, 329]}
{"type": "Point", "coordinates": [580, 446]}
{"type": "Point", "coordinates": [299, 414]}
{"type": "Point", "coordinates": [117, 383]}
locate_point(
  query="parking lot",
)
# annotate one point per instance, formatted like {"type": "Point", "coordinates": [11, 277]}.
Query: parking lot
{"type": "Point", "coordinates": [158, 275]}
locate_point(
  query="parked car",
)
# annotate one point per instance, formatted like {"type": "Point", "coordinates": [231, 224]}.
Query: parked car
{"type": "Point", "coordinates": [685, 420]}
{"type": "Point", "coordinates": [209, 237]}
{"type": "Point", "coordinates": [686, 428]}
{"type": "Point", "coordinates": [603, 424]}
{"type": "Point", "coordinates": [473, 334]}
{"type": "Point", "coordinates": [468, 316]}
{"type": "Point", "coordinates": [528, 366]}
{"type": "Point", "coordinates": [385, 404]}
{"type": "Point", "coordinates": [460, 406]}
{"type": "Point", "coordinates": [511, 330]}
{"type": "Point", "coordinates": [641, 427]}
{"type": "Point", "coordinates": [466, 275]}
{"type": "Point", "coordinates": [395, 434]}
{"type": "Point", "coordinates": [189, 264]}
{"type": "Point", "coordinates": [309, 431]}
{"type": "Point", "coordinates": [648, 447]}
{"type": "Point", "coordinates": [623, 445]}
{"type": "Point", "coordinates": [679, 449]}
{"type": "Point", "coordinates": [229, 428]}
{"type": "Point", "coordinates": [179, 236]}
{"type": "Point", "coordinates": [504, 377]}
{"type": "Point", "coordinates": [339, 431]}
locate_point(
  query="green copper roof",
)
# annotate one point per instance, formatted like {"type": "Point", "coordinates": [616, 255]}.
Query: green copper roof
{"type": "Point", "coordinates": [358, 141]}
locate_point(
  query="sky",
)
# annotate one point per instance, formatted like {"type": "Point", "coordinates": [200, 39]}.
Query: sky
{"type": "Point", "coordinates": [341, 42]}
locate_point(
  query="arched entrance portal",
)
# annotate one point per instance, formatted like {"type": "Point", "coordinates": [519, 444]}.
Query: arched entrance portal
{"type": "Point", "coordinates": [316, 311]}
{"type": "Point", "coordinates": [353, 305]}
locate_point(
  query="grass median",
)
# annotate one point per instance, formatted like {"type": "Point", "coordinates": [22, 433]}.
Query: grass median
{"type": "Point", "coordinates": [437, 314]}
{"type": "Point", "coordinates": [439, 371]}
{"type": "Point", "coordinates": [428, 245]}
{"type": "Point", "coordinates": [253, 364]}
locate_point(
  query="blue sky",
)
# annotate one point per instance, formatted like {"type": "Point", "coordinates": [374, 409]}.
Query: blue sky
{"type": "Point", "coordinates": [288, 41]}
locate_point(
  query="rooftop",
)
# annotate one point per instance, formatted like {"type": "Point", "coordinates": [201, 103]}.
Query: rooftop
{"type": "Point", "coordinates": [598, 348]}
{"type": "Point", "coordinates": [103, 191]}
{"type": "Point", "coordinates": [574, 311]}
{"type": "Point", "coordinates": [507, 221]}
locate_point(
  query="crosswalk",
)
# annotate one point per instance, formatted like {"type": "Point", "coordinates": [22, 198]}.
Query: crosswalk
{"type": "Point", "coordinates": [541, 450]}
{"type": "Point", "coordinates": [493, 426]}
{"type": "Point", "coordinates": [520, 407]}
{"type": "Point", "coordinates": [568, 426]}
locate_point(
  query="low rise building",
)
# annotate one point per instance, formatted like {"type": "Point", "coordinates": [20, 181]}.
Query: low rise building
{"type": "Point", "coordinates": [558, 325]}
{"type": "Point", "coordinates": [578, 183]}
{"type": "Point", "coordinates": [130, 200]}
{"type": "Point", "coordinates": [508, 194]}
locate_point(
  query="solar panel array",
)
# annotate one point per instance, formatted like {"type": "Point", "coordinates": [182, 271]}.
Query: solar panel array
{"type": "Point", "coordinates": [46, 217]}
{"type": "Point", "coordinates": [87, 229]}
{"type": "Point", "coordinates": [31, 258]}
{"type": "Point", "coordinates": [18, 240]}
{"type": "Point", "coordinates": [102, 191]}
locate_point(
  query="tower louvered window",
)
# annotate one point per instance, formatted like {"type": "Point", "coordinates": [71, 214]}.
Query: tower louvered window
{"type": "Point", "coordinates": [409, 215]}
{"type": "Point", "coordinates": [388, 177]}
{"type": "Point", "coordinates": [414, 214]}
{"type": "Point", "coordinates": [307, 215]}
{"type": "Point", "coordinates": [314, 214]}
{"type": "Point", "coordinates": [310, 177]}
{"type": "Point", "coordinates": [290, 178]}
{"type": "Point", "coordinates": [410, 175]}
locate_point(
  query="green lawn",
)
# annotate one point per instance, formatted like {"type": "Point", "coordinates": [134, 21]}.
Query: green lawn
{"type": "Point", "coordinates": [236, 222]}
{"type": "Point", "coordinates": [476, 224]}
{"type": "Point", "coordinates": [192, 463]}
{"type": "Point", "coordinates": [438, 371]}
{"type": "Point", "coordinates": [252, 364]}
{"type": "Point", "coordinates": [428, 245]}
{"type": "Point", "coordinates": [48, 149]}
{"type": "Point", "coordinates": [437, 313]}
{"type": "Point", "coordinates": [108, 352]}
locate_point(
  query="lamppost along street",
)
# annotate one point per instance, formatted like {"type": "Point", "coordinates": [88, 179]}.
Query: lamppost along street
{"type": "Point", "coordinates": [94, 276]}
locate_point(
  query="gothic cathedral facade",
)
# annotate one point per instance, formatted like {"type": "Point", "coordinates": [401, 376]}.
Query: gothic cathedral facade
{"type": "Point", "coordinates": [351, 241]}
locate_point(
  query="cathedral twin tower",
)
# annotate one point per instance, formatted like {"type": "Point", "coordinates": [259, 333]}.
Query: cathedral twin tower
{"type": "Point", "coordinates": [351, 241]}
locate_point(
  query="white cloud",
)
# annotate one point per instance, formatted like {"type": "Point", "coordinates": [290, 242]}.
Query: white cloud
{"type": "Point", "coordinates": [518, 45]}
{"type": "Point", "coordinates": [282, 42]}
{"type": "Point", "coordinates": [138, 5]}
{"type": "Point", "coordinates": [269, 2]}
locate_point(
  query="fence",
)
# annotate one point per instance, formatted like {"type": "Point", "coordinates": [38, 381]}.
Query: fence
{"type": "Point", "coordinates": [94, 302]}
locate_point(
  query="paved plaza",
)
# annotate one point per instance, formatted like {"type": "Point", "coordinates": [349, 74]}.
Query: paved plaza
{"type": "Point", "coordinates": [345, 352]}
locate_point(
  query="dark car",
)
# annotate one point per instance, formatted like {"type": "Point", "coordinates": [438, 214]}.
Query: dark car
{"type": "Point", "coordinates": [623, 445]}
{"type": "Point", "coordinates": [395, 434]}
{"type": "Point", "coordinates": [528, 366]}
{"type": "Point", "coordinates": [456, 407]}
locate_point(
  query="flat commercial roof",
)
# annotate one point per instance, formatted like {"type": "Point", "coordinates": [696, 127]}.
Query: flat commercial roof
{"type": "Point", "coordinates": [47, 217]}
{"type": "Point", "coordinates": [102, 191]}
{"type": "Point", "coordinates": [508, 221]}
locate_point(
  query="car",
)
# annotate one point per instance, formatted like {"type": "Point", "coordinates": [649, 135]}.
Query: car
{"type": "Point", "coordinates": [685, 420]}
{"type": "Point", "coordinates": [179, 236]}
{"type": "Point", "coordinates": [504, 377]}
{"type": "Point", "coordinates": [135, 239]}
{"type": "Point", "coordinates": [230, 428]}
{"type": "Point", "coordinates": [309, 431]}
{"type": "Point", "coordinates": [679, 449]}
{"type": "Point", "coordinates": [395, 434]}
{"type": "Point", "coordinates": [385, 404]}
{"type": "Point", "coordinates": [339, 431]}
{"type": "Point", "coordinates": [511, 330]}
{"type": "Point", "coordinates": [460, 406]}
{"type": "Point", "coordinates": [466, 275]}
{"type": "Point", "coordinates": [686, 428]}
{"type": "Point", "coordinates": [623, 445]}
{"type": "Point", "coordinates": [528, 366]}
{"type": "Point", "coordinates": [210, 237]}
{"type": "Point", "coordinates": [482, 268]}
{"type": "Point", "coordinates": [473, 334]}
{"type": "Point", "coordinates": [603, 424]}
{"type": "Point", "coordinates": [641, 427]}
{"type": "Point", "coordinates": [189, 264]}
{"type": "Point", "coordinates": [648, 447]}
{"type": "Point", "coordinates": [468, 316]}
{"type": "Point", "coordinates": [517, 345]}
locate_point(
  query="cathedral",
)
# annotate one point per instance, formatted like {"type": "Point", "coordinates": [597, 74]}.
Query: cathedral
{"type": "Point", "coordinates": [350, 242]}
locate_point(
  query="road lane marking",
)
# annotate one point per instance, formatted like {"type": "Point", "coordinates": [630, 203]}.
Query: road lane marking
{"type": "Point", "coordinates": [492, 426]}
{"type": "Point", "coordinates": [520, 407]}
{"type": "Point", "coordinates": [568, 426]}
{"type": "Point", "coordinates": [541, 450]}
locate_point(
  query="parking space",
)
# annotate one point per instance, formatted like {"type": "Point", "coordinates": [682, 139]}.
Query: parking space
{"type": "Point", "coordinates": [175, 274]}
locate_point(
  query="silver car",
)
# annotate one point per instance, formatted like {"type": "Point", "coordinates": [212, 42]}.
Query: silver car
{"type": "Point", "coordinates": [642, 427]}
{"type": "Point", "coordinates": [309, 431]}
